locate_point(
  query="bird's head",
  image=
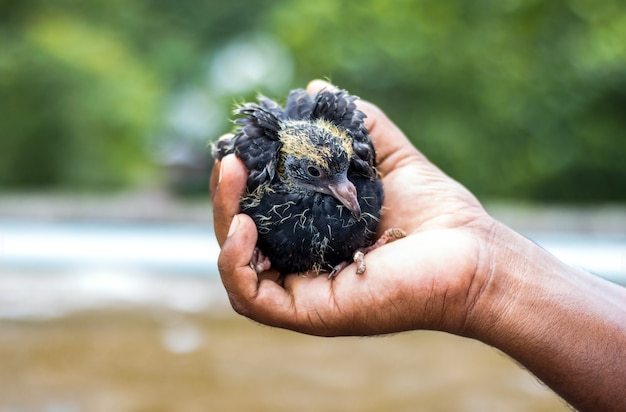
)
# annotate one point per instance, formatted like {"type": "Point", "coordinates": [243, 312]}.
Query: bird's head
{"type": "Point", "coordinates": [315, 155]}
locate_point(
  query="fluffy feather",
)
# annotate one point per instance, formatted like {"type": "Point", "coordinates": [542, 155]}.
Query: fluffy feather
{"type": "Point", "coordinates": [312, 188]}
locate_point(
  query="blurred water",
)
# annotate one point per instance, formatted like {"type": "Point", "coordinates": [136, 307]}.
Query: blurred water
{"type": "Point", "coordinates": [601, 254]}
{"type": "Point", "coordinates": [48, 268]}
{"type": "Point", "coordinates": [51, 268]}
{"type": "Point", "coordinates": [184, 249]}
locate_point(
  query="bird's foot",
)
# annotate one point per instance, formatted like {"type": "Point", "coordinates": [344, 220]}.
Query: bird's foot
{"type": "Point", "coordinates": [259, 262]}
{"type": "Point", "coordinates": [388, 235]}
{"type": "Point", "coordinates": [359, 259]}
{"type": "Point", "coordinates": [338, 269]}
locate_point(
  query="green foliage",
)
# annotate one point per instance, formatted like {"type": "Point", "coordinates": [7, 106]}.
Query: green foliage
{"type": "Point", "coordinates": [84, 86]}
{"type": "Point", "coordinates": [515, 98]}
{"type": "Point", "coordinates": [76, 104]}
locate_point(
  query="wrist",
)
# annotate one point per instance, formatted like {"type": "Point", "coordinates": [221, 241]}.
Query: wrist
{"type": "Point", "coordinates": [515, 276]}
{"type": "Point", "coordinates": [564, 325]}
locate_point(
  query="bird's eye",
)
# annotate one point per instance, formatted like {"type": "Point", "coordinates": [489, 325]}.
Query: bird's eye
{"type": "Point", "coordinates": [314, 171]}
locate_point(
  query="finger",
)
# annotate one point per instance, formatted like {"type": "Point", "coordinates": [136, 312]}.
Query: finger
{"type": "Point", "coordinates": [215, 175]}
{"type": "Point", "coordinates": [231, 184]}
{"type": "Point", "coordinates": [239, 279]}
{"type": "Point", "coordinates": [391, 145]}
{"type": "Point", "coordinates": [263, 297]}
{"type": "Point", "coordinates": [318, 85]}
{"type": "Point", "coordinates": [258, 297]}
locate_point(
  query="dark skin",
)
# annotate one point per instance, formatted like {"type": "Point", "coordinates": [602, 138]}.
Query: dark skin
{"type": "Point", "coordinates": [458, 270]}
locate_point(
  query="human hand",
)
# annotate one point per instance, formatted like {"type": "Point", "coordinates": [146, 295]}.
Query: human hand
{"type": "Point", "coordinates": [457, 270]}
{"type": "Point", "coordinates": [430, 279]}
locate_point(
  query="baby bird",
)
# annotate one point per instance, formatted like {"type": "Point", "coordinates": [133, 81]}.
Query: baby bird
{"type": "Point", "coordinates": [312, 189]}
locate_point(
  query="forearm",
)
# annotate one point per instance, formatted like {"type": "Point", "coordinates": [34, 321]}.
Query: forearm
{"type": "Point", "coordinates": [566, 326]}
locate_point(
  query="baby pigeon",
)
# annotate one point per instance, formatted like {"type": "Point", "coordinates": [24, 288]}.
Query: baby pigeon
{"type": "Point", "coordinates": [313, 189]}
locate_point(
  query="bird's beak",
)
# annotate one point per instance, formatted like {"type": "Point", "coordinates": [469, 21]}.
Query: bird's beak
{"type": "Point", "coordinates": [344, 191]}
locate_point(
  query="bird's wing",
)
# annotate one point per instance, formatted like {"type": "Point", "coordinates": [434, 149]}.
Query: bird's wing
{"type": "Point", "coordinates": [339, 108]}
{"type": "Point", "coordinates": [256, 140]}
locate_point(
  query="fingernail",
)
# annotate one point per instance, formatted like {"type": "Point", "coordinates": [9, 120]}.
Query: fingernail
{"type": "Point", "coordinates": [219, 177]}
{"type": "Point", "coordinates": [234, 225]}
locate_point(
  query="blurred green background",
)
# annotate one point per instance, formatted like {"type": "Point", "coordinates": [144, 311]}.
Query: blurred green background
{"type": "Point", "coordinates": [517, 99]}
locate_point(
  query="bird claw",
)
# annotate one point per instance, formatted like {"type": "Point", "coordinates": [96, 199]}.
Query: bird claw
{"type": "Point", "coordinates": [388, 235]}
{"type": "Point", "coordinates": [259, 262]}
{"type": "Point", "coordinates": [337, 269]}
{"type": "Point", "coordinates": [359, 259]}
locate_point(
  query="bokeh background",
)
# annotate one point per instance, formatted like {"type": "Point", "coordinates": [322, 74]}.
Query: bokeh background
{"type": "Point", "coordinates": [517, 99]}
{"type": "Point", "coordinates": [109, 297]}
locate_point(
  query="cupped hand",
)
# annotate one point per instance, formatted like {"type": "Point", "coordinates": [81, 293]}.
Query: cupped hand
{"type": "Point", "coordinates": [429, 279]}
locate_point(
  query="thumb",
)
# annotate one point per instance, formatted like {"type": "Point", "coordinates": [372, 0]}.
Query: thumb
{"type": "Point", "coordinates": [239, 279]}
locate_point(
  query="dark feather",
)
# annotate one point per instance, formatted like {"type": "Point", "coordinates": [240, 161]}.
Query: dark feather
{"type": "Point", "coordinates": [299, 105]}
{"type": "Point", "coordinates": [256, 142]}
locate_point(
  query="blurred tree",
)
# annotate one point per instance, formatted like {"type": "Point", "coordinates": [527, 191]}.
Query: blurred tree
{"type": "Point", "coordinates": [77, 103]}
{"type": "Point", "coordinates": [515, 98]}
{"type": "Point", "coordinates": [85, 87]}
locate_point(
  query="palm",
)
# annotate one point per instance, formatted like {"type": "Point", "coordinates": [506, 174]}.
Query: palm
{"type": "Point", "coordinates": [436, 233]}
{"type": "Point", "coordinates": [404, 277]}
